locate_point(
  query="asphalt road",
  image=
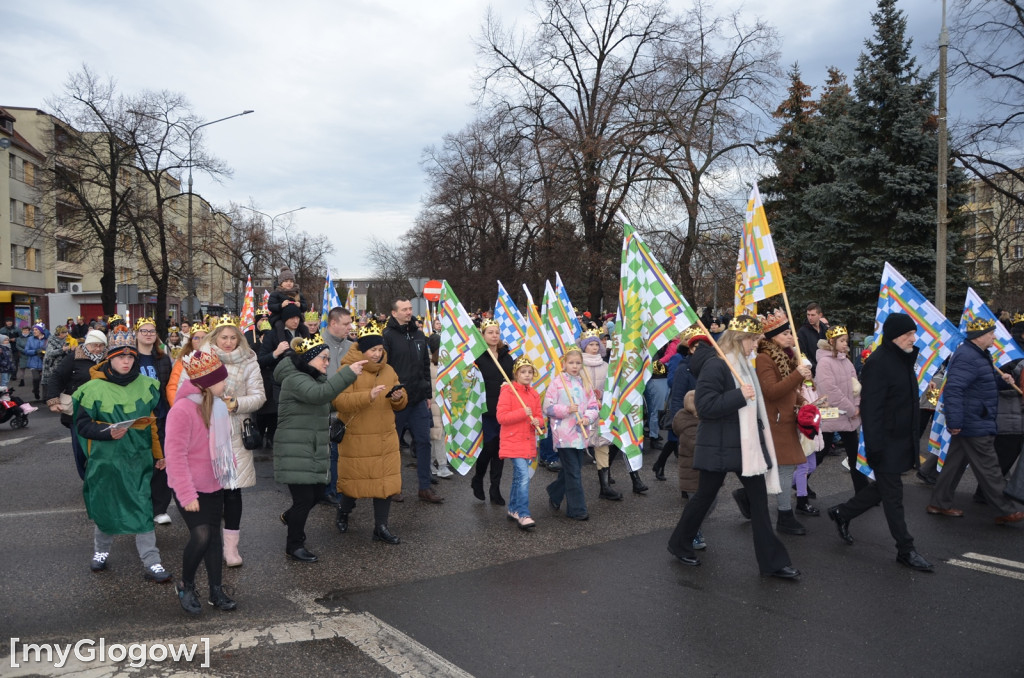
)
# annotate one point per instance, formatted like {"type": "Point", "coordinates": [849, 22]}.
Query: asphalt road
{"type": "Point", "coordinates": [466, 593]}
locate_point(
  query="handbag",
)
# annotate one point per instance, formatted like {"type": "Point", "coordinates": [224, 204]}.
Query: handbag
{"type": "Point", "coordinates": [66, 404]}
{"type": "Point", "coordinates": [337, 431]}
{"type": "Point", "coordinates": [252, 439]}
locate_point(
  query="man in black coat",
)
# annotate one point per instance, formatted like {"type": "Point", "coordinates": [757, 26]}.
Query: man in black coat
{"type": "Point", "coordinates": [811, 332]}
{"type": "Point", "coordinates": [890, 410]}
{"type": "Point", "coordinates": [409, 356]}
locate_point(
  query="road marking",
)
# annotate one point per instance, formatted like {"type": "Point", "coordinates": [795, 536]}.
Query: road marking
{"type": "Point", "coordinates": [383, 643]}
{"type": "Point", "coordinates": [62, 441]}
{"type": "Point", "coordinates": [46, 512]}
{"type": "Point", "coordinates": [12, 441]}
{"type": "Point", "coordinates": [997, 561]}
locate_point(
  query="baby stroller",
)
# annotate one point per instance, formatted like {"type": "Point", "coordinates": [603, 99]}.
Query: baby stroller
{"type": "Point", "coordinates": [13, 409]}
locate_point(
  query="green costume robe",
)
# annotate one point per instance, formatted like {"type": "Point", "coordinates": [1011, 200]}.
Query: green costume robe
{"type": "Point", "coordinates": [117, 476]}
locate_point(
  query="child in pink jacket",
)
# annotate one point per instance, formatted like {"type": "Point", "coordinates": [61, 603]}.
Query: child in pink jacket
{"type": "Point", "coordinates": [519, 413]}
{"type": "Point", "coordinates": [572, 408]}
{"type": "Point", "coordinates": [199, 420]}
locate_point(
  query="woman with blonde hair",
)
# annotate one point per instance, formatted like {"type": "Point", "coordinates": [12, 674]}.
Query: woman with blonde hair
{"type": "Point", "coordinates": [195, 340]}
{"type": "Point", "coordinates": [732, 438]}
{"type": "Point", "coordinates": [243, 395]}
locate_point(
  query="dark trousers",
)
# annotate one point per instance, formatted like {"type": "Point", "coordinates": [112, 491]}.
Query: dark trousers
{"type": "Point", "coordinates": [887, 488]}
{"type": "Point", "coordinates": [980, 453]}
{"type": "Point", "coordinates": [160, 492]}
{"type": "Point", "coordinates": [79, 453]}
{"type": "Point", "coordinates": [417, 419]}
{"type": "Point", "coordinates": [267, 424]}
{"type": "Point", "coordinates": [1007, 450]}
{"type": "Point", "coordinates": [232, 509]}
{"type": "Point", "coordinates": [331, 491]}
{"type": "Point", "coordinates": [304, 497]}
{"type": "Point", "coordinates": [381, 508]}
{"type": "Point", "coordinates": [851, 440]}
{"type": "Point", "coordinates": [771, 553]}
{"type": "Point", "coordinates": [489, 457]}
{"type": "Point", "coordinates": [569, 484]}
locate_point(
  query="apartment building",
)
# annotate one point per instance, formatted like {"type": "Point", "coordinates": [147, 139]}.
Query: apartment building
{"type": "Point", "coordinates": [994, 240]}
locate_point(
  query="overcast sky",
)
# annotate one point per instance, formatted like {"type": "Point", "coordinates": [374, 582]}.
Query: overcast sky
{"type": "Point", "coordinates": [347, 93]}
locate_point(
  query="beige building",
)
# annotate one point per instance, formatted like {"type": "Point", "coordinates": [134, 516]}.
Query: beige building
{"type": "Point", "coordinates": [994, 241]}
{"type": "Point", "coordinates": [54, 268]}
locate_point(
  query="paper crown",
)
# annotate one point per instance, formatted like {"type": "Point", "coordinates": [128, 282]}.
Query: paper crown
{"type": "Point", "coordinates": [370, 329]}
{"type": "Point", "coordinates": [775, 323]}
{"type": "Point", "coordinates": [691, 334]}
{"type": "Point", "coordinates": [226, 321]}
{"type": "Point", "coordinates": [569, 348]}
{"type": "Point", "coordinates": [115, 319]}
{"type": "Point", "coordinates": [204, 369]}
{"type": "Point", "coordinates": [745, 323]}
{"type": "Point", "coordinates": [522, 361]}
{"type": "Point", "coordinates": [835, 332]}
{"type": "Point", "coordinates": [200, 327]}
{"type": "Point", "coordinates": [595, 333]}
{"type": "Point", "coordinates": [982, 325]}
{"type": "Point", "coordinates": [262, 311]}
{"type": "Point", "coordinates": [144, 321]}
{"type": "Point", "coordinates": [120, 342]}
{"type": "Point", "coordinates": [173, 329]}
{"type": "Point", "coordinates": [309, 344]}
{"type": "Point", "coordinates": [310, 316]}
{"type": "Point", "coordinates": [1017, 318]}
{"type": "Point", "coordinates": [488, 322]}
{"type": "Point", "coordinates": [263, 325]}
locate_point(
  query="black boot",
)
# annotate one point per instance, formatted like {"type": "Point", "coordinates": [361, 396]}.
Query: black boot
{"type": "Point", "coordinates": [382, 533]}
{"type": "Point", "coordinates": [220, 600]}
{"type": "Point", "coordinates": [477, 483]}
{"type": "Point", "coordinates": [638, 485]}
{"type": "Point", "coordinates": [606, 490]}
{"type": "Point", "coordinates": [788, 524]}
{"type": "Point", "coordinates": [612, 453]}
{"type": "Point", "coordinates": [187, 597]}
{"type": "Point", "coordinates": [803, 506]}
{"type": "Point", "coordinates": [496, 497]}
{"type": "Point", "coordinates": [659, 471]}
{"type": "Point", "coordinates": [341, 522]}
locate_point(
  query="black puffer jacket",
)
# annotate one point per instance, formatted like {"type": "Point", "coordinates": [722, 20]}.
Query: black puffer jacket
{"type": "Point", "coordinates": [409, 356]}
{"type": "Point", "coordinates": [889, 408]}
{"type": "Point", "coordinates": [71, 373]}
{"type": "Point", "coordinates": [718, 400]}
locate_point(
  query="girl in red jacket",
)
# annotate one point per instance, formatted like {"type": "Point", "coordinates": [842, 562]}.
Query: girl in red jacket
{"type": "Point", "coordinates": [518, 438]}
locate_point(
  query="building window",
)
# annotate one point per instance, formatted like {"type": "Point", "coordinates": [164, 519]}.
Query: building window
{"type": "Point", "coordinates": [30, 215]}
{"type": "Point", "coordinates": [30, 258]}
{"type": "Point", "coordinates": [12, 165]}
{"type": "Point", "coordinates": [30, 174]}
{"type": "Point", "coordinates": [65, 251]}
{"type": "Point", "coordinates": [15, 252]}
{"type": "Point", "coordinates": [1018, 251]}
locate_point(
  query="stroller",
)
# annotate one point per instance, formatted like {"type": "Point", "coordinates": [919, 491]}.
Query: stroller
{"type": "Point", "coordinates": [14, 409]}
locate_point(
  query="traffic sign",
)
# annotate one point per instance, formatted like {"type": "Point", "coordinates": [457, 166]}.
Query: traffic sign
{"type": "Point", "coordinates": [432, 290]}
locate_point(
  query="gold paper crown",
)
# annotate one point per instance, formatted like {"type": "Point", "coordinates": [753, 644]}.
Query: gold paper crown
{"type": "Point", "coordinates": [836, 331]}
{"type": "Point", "coordinates": [226, 321]}
{"type": "Point", "coordinates": [1017, 318]}
{"type": "Point", "coordinates": [981, 325]}
{"type": "Point", "coordinates": [489, 322]}
{"type": "Point", "coordinates": [173, 328]}
{"type": "Point", "coordinates": [263, 325]}
{"type": "Point", "coordinates": [596, 333]}
{"type": "Point", "coordinates": [199, 364]}
{"type": "Point", "coordinates": [309, 343]}
{"type": "Point", "coordinates": [692, 333]}
{"type": "Point", "coordinates": [522, 361]}
{"type": "Point", "coordinates": [744, 323]}
{"type": "Point", "coordinates": [144, 321]}
{"type": "Point", "coordinates": [115, 319]}
{"type": "Point", "coordinates": [199, 327]}
{"type": "Point", "coordinates": [569, 348]}
{"type": "Point", "coordinates": [370, 329]}
{"type": "Point", "coordinates": [310, 316]}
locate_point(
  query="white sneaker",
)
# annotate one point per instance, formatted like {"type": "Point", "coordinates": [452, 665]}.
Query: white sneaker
{"type": "Point", "coordinates": [162, 519]}
{"type": "Point", "coordinates": [443, 472]}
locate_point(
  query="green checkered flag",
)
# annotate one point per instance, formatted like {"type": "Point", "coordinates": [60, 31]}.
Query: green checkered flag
{"type": "Point", "coordinates": [459, 385]}
{"type": "Point", "coordinates": [651, 311]}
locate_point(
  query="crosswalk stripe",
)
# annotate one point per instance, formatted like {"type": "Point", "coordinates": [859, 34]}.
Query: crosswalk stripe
{"type": "Point", "coordinates": [995, 561]}
{"type": "Point", "coordinates": [12, 441]}
{"type": "Point", "coordinates": [61, 441]}
{"type": "Point", "coordinates": [45, 512]}
{"type": "Point", "coordinates": [987, 568]}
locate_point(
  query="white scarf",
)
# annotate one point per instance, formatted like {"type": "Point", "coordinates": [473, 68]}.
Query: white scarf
{"type": "Point", "coordinates": [750, 442]}
{"type": "Point", "coordinates": [222, 455]}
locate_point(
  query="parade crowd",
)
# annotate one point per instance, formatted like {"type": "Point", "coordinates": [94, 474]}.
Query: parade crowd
{"type": "Point", "coordinates": [177, 418]}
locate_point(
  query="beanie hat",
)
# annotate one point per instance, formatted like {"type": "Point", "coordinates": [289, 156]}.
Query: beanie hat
{"type": "Point", "coordinates": [587, 341]}
{"type": "Point", "coordinates": [286, 274]}
{"type": "Point", "coordinates": [290, 311]}
{"type": "Point", "coordinates": [95, 337]}
{"type": "Point", "coordinates": [204, 369]}
{"type": "Point", "coordinates": [897, 324]}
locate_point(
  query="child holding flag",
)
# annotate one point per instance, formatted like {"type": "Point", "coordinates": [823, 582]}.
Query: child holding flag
{"type": "Point", "coordinates": [518, 413]}
{"type": "Point", "coordinates": [572, 407]}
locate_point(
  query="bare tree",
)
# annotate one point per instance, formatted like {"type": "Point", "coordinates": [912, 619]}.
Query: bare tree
{"type": "Point", "coordinates": [987, 41]}
{"type": "Point", "coordinates": [306, 256]}
{"type": "Point", "coordinates": [997, 227]}
{"type": "Point", "coordinates": [390, 274]}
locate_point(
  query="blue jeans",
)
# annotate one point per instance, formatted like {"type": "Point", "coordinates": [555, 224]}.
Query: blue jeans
{"type": "Point", "coordinates": [655, 394]}
{"type": "Point", "coordinates": [569, 484]}
{"type": "Point", "coordinates": [417, 419]}
{"type": "Point", "coordinates": [519, 494]}
{"type": "Point", "coordinates": [331, 491]}
{"type": "Point", "coordinates": [546, 449]}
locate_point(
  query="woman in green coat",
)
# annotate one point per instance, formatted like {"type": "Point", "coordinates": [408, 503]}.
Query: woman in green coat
{"type": "Point", "coordinates": [301, 454]}
{"type": "Point", "coordinates": [116, 488]}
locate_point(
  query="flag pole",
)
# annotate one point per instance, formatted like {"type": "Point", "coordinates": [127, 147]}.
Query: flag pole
{"type": "Point", "coordinates": [721, 354]}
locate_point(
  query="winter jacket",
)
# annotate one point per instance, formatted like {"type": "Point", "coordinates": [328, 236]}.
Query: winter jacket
{"type": "Point", "coordinates": [684, 425]}
{"type": "Point", "coordinates": [187, 449]}
{"type": "Point", "coordinates": [301, 452]}
{"type": "Point", "coordinates": [268, 363]}
{"type": "Point", "coordinates": [163, 368]}
{"type": "Point", "coordinates": [834, 380]}
{"type": "Point", "coordinates": [279, 296]}
{"type": "Point", "coordinates": [33, 351]}
{"type": "Point", "coordinates": [369, 464]}
{"type": "Point", "coordinates": [72, 372]}
{"type": "Point", "coordinates": [889, 410]}
{"type": "Point", "coordinates": [6, 359]}
{"type": "Point", "coordinates": [597, 373]}
{"type": "Point", "coordinates": [54, 356]}
{"type": "Point", "coordinates": [780, 400]}
{"type": "Point", "coordinates": [565, 427]}
{"type": "Point", "coordinates": [19, 346]}
{"type": "Point", "coordinates": [971, 396]}
{"type": "Point", "coordinates": [518, 436]}
{"type": "Point", "coordinates": [681, 381]}
{"type": "Point", "coordinates": [1010, 415]}
{"type": "Point", "coordinates": [718, 400]}
{"type": "Point", "coordinates": [338, 347]}
{"type": "Point", "coordinates": [807, 338]}
{"type": "Point", "coordinates": [245, 384]}
{"type": "Point", "coordinates": [493, 381]}
{"type": "Point", "coordinates": [409, 355]}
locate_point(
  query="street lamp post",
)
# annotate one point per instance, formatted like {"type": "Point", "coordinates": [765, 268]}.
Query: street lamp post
{"type": "Point", "coordinates": [272, 220]}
